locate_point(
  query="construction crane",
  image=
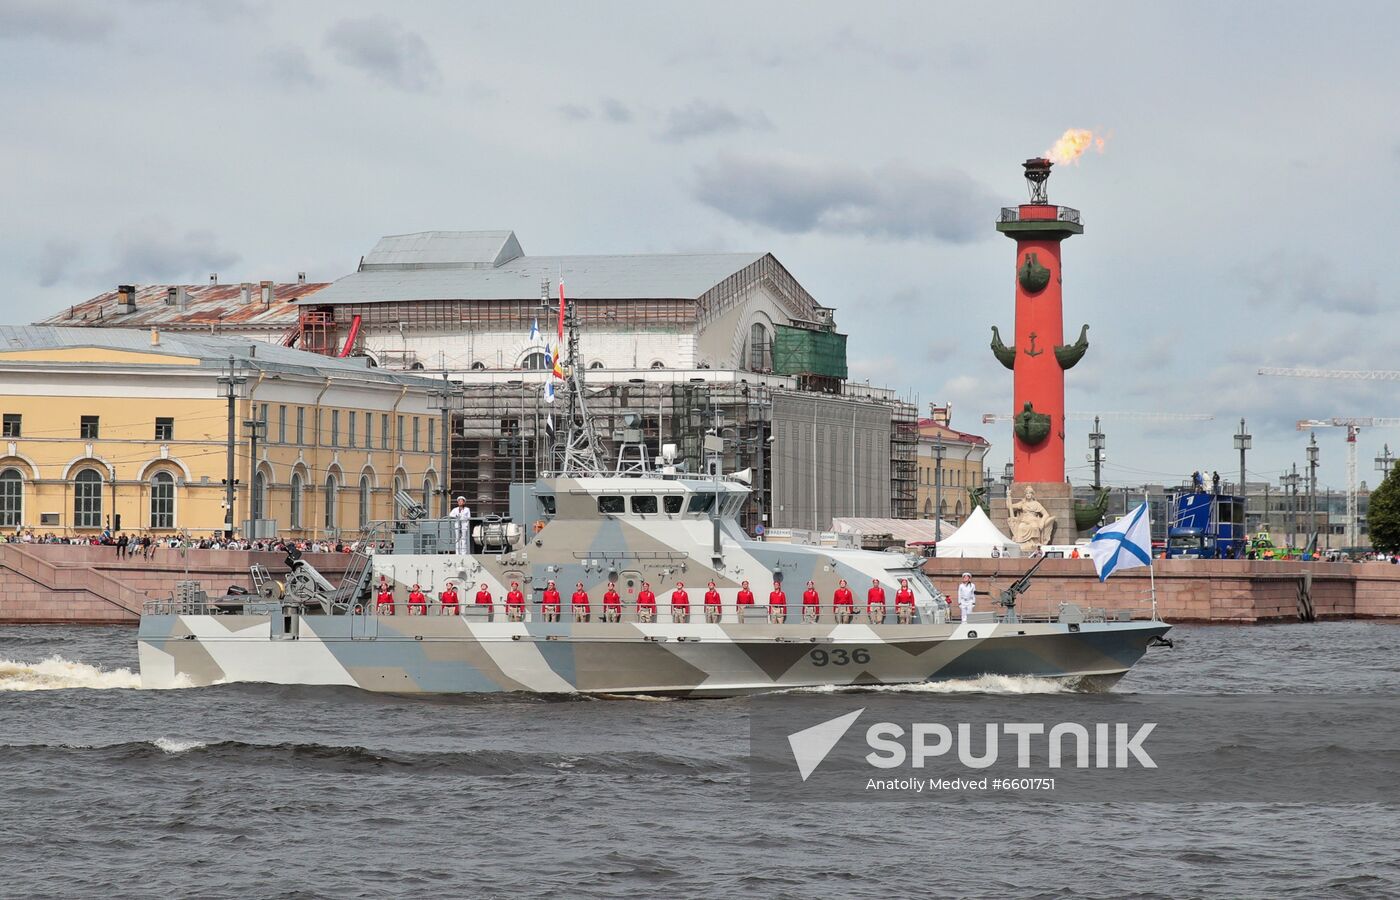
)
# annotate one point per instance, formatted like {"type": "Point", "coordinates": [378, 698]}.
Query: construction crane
{"type": "Point", "coordinates": [1355, 374]}
{"type": "Point", "coordinates": [1350, 424]}
{"type": "Point", "coordinates": [994, 418]}
{"type": "Point", "coordinates": [1353, 426]}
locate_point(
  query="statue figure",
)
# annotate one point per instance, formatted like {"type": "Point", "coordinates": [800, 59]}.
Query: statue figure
{"type": "Point", "coordinates": [1031, 523]}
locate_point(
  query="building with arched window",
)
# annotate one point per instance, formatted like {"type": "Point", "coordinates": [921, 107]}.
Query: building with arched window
{"type": "Point", "coordinates": [128, 430]}
{"type": "Point", "coordinates": [951, 463]}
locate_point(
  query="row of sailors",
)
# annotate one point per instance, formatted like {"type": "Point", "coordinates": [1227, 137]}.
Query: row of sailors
{"type": "Point", "coordinates": [551, 603]}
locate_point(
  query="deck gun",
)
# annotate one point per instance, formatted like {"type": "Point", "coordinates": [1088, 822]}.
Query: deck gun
{"type": "Point", "coordinates": [1018, 587]}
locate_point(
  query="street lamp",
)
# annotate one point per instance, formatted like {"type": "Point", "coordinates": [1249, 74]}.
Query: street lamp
{"type": "Point", "coordinates": [1096, 444]}
{"type": "Point", "coordinates": [1312, 483]}
{"type": "Point", "coordinates": [1243, 442]}
{"type": "Point", "coordinates": [938, 453]}
{"type": "Point", "coordinates": [1289, 482]}
{"type": "Point", "coordinates": [1385, 462]}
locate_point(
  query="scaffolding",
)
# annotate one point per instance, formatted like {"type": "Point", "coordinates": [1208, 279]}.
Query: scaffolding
{"type": "Point", "coordinates": [904, 461]}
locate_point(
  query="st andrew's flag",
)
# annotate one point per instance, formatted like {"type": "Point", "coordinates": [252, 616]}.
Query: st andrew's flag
{"type": "Point", "coordinates": [1126, 544]}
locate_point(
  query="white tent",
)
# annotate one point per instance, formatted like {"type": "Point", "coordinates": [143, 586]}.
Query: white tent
{"type": "Point", "coordinates": [977, 538]}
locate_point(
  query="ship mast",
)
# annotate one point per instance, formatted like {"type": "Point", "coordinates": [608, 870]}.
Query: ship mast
{"type": "Point", "coordinates": [577, 455]}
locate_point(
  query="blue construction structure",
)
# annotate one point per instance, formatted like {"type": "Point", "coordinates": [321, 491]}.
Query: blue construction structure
{"type": "Point", "coordinates": [1206, 526]}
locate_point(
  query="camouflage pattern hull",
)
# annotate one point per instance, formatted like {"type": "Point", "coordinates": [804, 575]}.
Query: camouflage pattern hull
{"type": "Point", "coordinates": [455, 654]}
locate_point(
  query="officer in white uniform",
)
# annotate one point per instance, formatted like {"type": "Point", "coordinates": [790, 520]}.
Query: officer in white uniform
{"type": "Point", "coordinates": [967, 595]}
{"type": "Point", "coordinates": [461, 515]}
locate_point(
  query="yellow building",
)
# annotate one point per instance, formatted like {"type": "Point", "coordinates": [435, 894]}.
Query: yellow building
{"type": "Point", "coordinates": [108, 428]}
{"type": "Point", "coordinates": [963, 457]}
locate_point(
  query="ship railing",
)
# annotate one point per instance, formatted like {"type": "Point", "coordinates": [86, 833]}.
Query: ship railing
{"type": "Point", "coordinates": [633, 612]}
{"type": "Point", "coordinates": [174, 606]}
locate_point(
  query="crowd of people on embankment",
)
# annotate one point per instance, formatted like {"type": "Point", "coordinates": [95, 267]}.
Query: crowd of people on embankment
{"type": "Point", "coordinates": [145, 546]}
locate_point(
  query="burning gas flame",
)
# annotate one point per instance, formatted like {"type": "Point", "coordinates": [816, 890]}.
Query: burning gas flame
{"type": "Point", "coordinates": [1072, 145]}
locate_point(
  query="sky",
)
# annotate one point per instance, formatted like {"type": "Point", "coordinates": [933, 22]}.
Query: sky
{"type": "Point", "coordinates": [1237, 217]}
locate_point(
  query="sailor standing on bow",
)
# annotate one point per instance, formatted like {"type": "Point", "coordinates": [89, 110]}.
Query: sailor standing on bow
{"type": "Point", "coordinates": [967, 595]}
{"type": "Point", "coordinates": [461, 516]}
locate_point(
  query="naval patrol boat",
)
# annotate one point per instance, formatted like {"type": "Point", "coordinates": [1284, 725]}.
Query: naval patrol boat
{"type": "Point", "coordinates": [627, 526]}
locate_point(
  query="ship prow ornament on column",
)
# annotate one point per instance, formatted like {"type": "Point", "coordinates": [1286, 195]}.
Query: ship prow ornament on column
{"type": "Point", "coordinates": [1040, 505]}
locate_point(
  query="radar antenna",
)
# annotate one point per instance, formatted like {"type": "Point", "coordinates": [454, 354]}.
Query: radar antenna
{"type": "Point", "coordinates": [577, 455]}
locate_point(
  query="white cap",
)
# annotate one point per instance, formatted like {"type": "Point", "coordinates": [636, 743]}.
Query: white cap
{"type": "Point", "coordinates": [463, 499]}
{"type": "Point", "coordinates": [967, 574]}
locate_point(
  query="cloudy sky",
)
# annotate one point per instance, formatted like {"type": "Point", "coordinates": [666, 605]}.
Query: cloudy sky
{"type": "Point", "coordinates": [1240, 216]}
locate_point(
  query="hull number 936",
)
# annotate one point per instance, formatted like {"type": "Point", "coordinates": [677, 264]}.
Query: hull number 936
{"type": "Point", "coordinates": [840, 656]}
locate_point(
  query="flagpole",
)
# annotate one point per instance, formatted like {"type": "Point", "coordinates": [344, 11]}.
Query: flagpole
{"type": "Point", "coordinates": [1151, 573]}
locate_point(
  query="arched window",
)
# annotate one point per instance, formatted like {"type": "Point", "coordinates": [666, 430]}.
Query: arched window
{"type": "Point", "coordinates": [162, 500]}
{"type": "Point", "coordinates": [759, 348]}
{"type": "Point", "coordinates": [534, 360]}
{"type": "Point", "coordinates": [296, 500]}
{"type": "Point", "coordinates": [259, 495]}
{"type": "Point", "coordinates": [478, 366]}
{"type": "Point", "coordinates": [332, 490]}
{"type": "Point", "coordinates": [943, 510]}
{"type": "Point", "coordinates": [957, 510]}
{"type": "Point", "coordinates": [87, 499]}
{"type": "Point", "coordinates": [11, 498]}
{"type": "Point", "coordinates": [596, 364]}
{"type": "Point", "coordinates": [428, 494]}
{"type": "Point", "coordinates": [364, 501]}
{"type": "Point", "coordinates": [928, 509]}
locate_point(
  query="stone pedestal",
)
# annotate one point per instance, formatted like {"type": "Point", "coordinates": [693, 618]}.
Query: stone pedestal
{"type": "Point", "coordinates": [1058, 500]}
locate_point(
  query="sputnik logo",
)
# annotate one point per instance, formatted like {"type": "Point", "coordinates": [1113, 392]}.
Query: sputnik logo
{"type": "Point", "coordinates": [810, 746]}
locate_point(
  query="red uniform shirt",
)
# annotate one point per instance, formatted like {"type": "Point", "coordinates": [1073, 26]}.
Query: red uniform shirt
{"type": "Point", "coordinates": [385, 597]}
{"type": "Point", "coordinates": [811, 598]}
{"type": "Point", "coordinates": [904, 596]}
{"type": "Point", "coordinates": [712, 597]}
{"type": "Point", "coordinates": [483, 596]}
{"type": "Point", "coordinates": [515, 598]}
{"type": "Point", "coordinates": [680, 598]}
{"type": "Point", "coordinates": [777, 598]}
{"type": "Point", "coordinates": [580, 600]}
{"type": "Point", "coordinates": [449, 597]}
{"type": "Point", "coordinates": [745, 597]}
{"type": "Point", "coordinates": [551, 597]}
{"type": "Point", "coordinates": [417, 597]}
{"type": "Point", "coordinates": [875, 597]}
{"type": "Point", "coordinates": [612, 599]}
{"type": "Point", "coordinates": [844, 597]}
{"type": "Point", "coordinates": [646, 598]}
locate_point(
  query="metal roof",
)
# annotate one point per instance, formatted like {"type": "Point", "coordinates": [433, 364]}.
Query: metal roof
{"type": "Point", "coordinates": [438, 265]}
{"type": "Point", "coordinates": [443, 249]}
{"type": "Point", "coordinates": [210, 304]}
{"type": "Point", "coordinates": [210, 350]}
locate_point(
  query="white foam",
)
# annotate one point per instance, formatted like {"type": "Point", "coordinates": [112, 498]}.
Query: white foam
{"type": "Point", "coordinates": [58, 674]}
{"type": "Point", "coordinates": [982, 684]}
{"type": "Point", "coordinates": [175, 745]}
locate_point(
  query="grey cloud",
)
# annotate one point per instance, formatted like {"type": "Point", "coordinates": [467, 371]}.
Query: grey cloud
{"type": "Point", "coordinates": [384, 50]}
{"type": "Point", "coordinates": [290, 66]}
{"type": "Point", "coordinates": [575, 112]}
{"type": "Point", "coordinates": [62, 22]}
{"type": "Point", "coordinates": [56, 260]}
{"type": "Point", "coordinates": [1292, 281]}
{"type": "Point", "coordinates": [700, 118]}
{"type": "Point", "coordinates": [152, 251]}
{"type": "Point", "coordinates": [615, 110]}
{"type": "Point", "coordinates": [796, 195]}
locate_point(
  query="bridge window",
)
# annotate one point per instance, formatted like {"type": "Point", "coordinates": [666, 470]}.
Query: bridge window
{"type": "Point", "coordinates": [547, 504]}
{"type": "Point", "coordinates": [644, 505]}
{"type": "Point", "coordinates": [673, 503]}
{"type": "Point", "coordinates": [611, 505]}
{"type": "Point", "coordinates": [701, 503]}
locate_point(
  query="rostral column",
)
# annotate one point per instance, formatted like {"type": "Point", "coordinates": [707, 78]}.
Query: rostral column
{"type": "Point", "coordinates": [1037, 358]}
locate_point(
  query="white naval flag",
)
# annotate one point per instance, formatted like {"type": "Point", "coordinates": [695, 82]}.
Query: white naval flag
{"type": "Point", "coordinates": [1126, 544]}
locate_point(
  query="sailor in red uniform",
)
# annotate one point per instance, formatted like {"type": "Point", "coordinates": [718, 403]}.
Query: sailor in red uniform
{"type": "Point", "coordinates": [550, 605]}
{"type": "Point", "coordinates": [680, 604]}
{"type": "Point", "coordinates": [713, 607]}
{"type": "Point", "coordinates": [875, 603]}
{"type": "Point", "coordinates": [515, 603]}
{"type": "Point", "coordinates": [904, 603]}
{"type": "Point", "coordinates": [484, 598]}
{"type": "Point", "coordinates": [777, 604]}
{"type": "Point", "coordinates": [582, 610]}
{"type": "Point", "coordinates": [844, 604]}
{"type": "Point", "coordinates": [417, 602]}
{"type": "Point", "coordinates": [384, 600]}
{"type": "Point", "coordinates": [612, 604]}
{"type": "Point", "coordinates": [745, 598]}
{"type": "Point", "coordinates": [811, 603]}
{"type": "Point", "coordinates": [646, 604]}
{"type": "Point", "coordinates": [450, 603]}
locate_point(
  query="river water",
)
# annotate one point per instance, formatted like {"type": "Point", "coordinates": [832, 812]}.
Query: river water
{"type": "Point", "coordinates": [265, 791]}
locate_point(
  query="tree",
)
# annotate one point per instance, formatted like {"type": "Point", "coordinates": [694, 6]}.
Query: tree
{"type": "Point", "coordinates": [1384, 514]}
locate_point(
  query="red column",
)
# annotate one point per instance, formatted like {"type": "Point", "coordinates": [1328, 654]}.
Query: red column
{"type": "Point", "coordinates": [1038, 376]}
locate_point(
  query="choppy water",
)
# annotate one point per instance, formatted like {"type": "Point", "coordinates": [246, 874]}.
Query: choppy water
{"type": "Point", "coordinates": [264, 791]}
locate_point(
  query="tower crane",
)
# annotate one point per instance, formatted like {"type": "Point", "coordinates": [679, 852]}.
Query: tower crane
{"type": "Point", "coordinates": [1350, 424]}
{"type": "Point", "coordinates": [1353, 426]}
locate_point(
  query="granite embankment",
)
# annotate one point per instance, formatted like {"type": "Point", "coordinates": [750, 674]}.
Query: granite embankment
{"type": "Point", "coordinates": [59, 583]}
{"type": "Point", "coordinates": [1227, 591]}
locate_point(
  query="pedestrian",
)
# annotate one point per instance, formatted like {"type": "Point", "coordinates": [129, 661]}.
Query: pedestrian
{"type": "Point", "coordinates": [967, 596]}
{"type": "Point", "coordinates": [612, 604]}
{"type": "Point", "coordinates": [1215, 482]}
{"type": "Point", "coordinates": [680, 604]}
{"type": "Point", "coordinates": [843, 604]}
{"type": "Point", "coordinates": [449, 600]}
{"type": "Point", "coordinates": [646, 604]}
{"type": "Point", "coordinates": [875, 603]}
{"type": "Point", "coordinates": [484, 598]}
{"type": "Point", "coordinates": [713, 607]}
{"type": "Point", "coordinates": [384, 599]}
{"type": "Point", "coordinates": [777, 604]}
{"type": "Point", "coordinates": [904, 603]}
{"type": "Point", "coordinates": [811, 603]}
{"type": "Point", "coordinates": [515, 603]}
{"type": "Point", "coordinates": [550, 605]}
{"type": "Point", "coordinates": [579, 601]}
{"type": "Point", "coordinates": [744, 599]}
{"type": "Point", "coordinates": [417, 602]}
